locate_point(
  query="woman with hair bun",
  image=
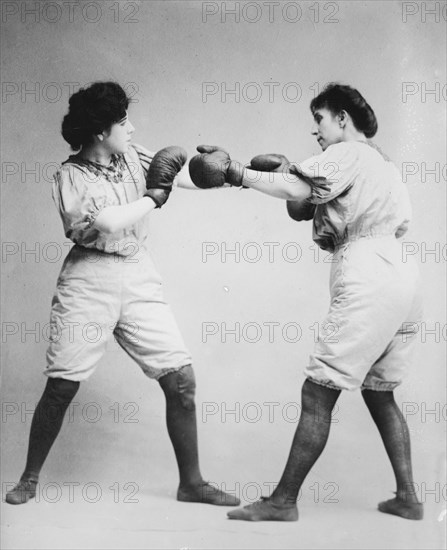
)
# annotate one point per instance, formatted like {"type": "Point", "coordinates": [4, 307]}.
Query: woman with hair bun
{"type": "Point", "coordinates": [359, 207]}
{"type": "Point", "coordinates": [109, 286]}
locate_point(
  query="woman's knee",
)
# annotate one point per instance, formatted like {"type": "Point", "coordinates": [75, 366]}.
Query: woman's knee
{"type": "Point", "coordinates": [318, 400]}
{"type": "Point", "coordinates": [375, 398]}
{"type": "Point", "coordinates": [181, 384]}
{"type": "Point", "coordinates": [62, 389]}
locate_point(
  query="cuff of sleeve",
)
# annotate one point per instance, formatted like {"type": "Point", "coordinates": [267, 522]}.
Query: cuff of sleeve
{"type": "Point", "coordinates": [402, 229]}
{"type": "Point", "coordinates": [320, 191]}
{"type": "Point", "coordinates": [320, 187]}
{"type": "Point", "coordinates": [97, 206]}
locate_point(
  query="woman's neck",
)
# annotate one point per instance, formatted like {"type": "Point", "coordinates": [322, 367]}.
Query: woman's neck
{"type": "Point", "coordinates": [352, 134]}
{"type": "Point", "coordinates": [96, 154]}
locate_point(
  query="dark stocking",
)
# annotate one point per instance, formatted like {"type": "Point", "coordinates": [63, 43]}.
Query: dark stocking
{"type": "Point", "coordinates": [317, 403]}
{"type": "Point", "coordinates": [396, 438]}
{"type": "Point", "coordinates": [47, 422]}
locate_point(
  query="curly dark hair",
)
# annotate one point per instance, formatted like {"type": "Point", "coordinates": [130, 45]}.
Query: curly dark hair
{"type": "Point", "coordinates": [338, 97]}
{"type": "Point", "coordinates": [93, 110]}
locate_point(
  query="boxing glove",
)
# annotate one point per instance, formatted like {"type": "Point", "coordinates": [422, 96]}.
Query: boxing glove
{"type": "Point", "coordinates": [214, 167]}
{"type": "Point", "coordinates": [270, 163]}
{"type": "Point", "coordinates": [165, 165]}
{"type": "Point", "coordinates": [297, 210]}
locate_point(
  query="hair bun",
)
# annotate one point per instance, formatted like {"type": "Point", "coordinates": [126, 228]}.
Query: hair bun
{"type": "Point", "coordinates": [93, 110]}
{"type": "Point", "coordinates": [339, 97]}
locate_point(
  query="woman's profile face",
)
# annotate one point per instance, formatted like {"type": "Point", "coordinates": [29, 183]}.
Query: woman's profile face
{"type": "Point", "coordinates": [118, 137]}
{"type": "Point", "coordinates": [326, 128]}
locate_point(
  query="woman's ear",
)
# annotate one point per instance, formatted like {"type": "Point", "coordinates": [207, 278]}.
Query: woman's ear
{"type": "Point", "coordinates": [342, 118]}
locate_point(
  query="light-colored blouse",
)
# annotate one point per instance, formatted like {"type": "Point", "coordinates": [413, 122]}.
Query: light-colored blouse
{"type": "Point", "coordinates": [358, 193]}
{"type": "Point", "coordinates": [81, 189]}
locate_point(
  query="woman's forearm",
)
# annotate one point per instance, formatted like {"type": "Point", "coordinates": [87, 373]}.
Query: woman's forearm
{"type": "Point", "coordinates": [277, 184]}
{"type": "Point", "coordinates": [116, 218]}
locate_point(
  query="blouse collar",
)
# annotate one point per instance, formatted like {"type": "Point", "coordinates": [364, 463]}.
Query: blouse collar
{"type": "Point", "coordinates": [113, 172]}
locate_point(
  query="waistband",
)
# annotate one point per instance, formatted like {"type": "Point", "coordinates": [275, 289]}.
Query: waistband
{"type": "Point", "coordinates": [94, 255]}
{"type": "Point", "coordinates": [366, 239]}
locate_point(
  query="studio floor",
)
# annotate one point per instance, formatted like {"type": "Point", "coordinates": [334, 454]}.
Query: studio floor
{"type": "Point", "coordinates": [115, 515]}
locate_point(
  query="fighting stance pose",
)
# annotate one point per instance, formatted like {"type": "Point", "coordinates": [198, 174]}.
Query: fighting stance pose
{"type": "Point", "coordinates": [359, 207]}
{"type": "Point", "coordinates": [109, 282]}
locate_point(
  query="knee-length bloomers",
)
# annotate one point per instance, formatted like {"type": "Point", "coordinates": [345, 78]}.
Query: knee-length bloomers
{"type": "Point", "coordinates": [108, 285]}
{"type": "Point", "coordinates": [361, 208]}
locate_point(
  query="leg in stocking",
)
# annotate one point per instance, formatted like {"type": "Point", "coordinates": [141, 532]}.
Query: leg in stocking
{"type": "Point", "coordinates": [179, 390]}
{"type": "Point", "coordinates": [45, 426]}
{"type": "Point", "coordinates": [396, 438]}
{"type": "Point", "coordinates": [310, 438]}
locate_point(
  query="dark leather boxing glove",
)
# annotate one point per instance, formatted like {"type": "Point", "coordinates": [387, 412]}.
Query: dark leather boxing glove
{"type": "Point", "coordinates": [214, 167]}
{"type": "Point", "coordinates": [297, 210]}
{"type": "Point", "coordinates": [300, 211]}
{"type": "Point", "coordinates": [270, 163]}
{"type": "Point", "coordinates": [165, 165]}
